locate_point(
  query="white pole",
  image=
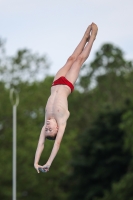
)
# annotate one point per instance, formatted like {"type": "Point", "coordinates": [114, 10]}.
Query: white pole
{"type": "Point", "coordinates": [15, 103]}
{"type": "Point", "coordinates": [14, 156]}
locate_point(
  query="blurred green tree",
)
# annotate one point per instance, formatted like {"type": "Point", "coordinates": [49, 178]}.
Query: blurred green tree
{"type": "Point", "coordinates": [121, 190]}
{"type": "Point", "coordinates": [25, 66]}
{"type": "Point", "coordinates": [100, 160]}
{"type": "Point", "coordinates": [109, 59]}
{"type": "Point", "coordinates": [103, 89]}
{"type": "Point", "coordinates": [105, 82]}
{"type": "Point", "coordinates": [31, 185]}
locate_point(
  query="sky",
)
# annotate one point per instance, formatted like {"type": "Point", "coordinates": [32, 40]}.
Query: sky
{"type": "Point", "coordinates": [55, 27]}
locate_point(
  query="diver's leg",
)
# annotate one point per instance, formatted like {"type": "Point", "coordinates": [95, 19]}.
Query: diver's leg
{"type": "Point", "coordinates": [73, 73]}
{"type": "Point", "coordinates": [63, 71]}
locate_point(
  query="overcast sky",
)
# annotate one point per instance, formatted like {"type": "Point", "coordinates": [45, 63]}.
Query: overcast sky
{"type": "Point", "coordinates": [54, 27]}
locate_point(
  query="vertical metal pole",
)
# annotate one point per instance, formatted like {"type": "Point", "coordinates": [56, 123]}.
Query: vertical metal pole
{"type": "Point", "coordinates": [14, 97]}
{"type": "Point", "coordinates": [14, 156]}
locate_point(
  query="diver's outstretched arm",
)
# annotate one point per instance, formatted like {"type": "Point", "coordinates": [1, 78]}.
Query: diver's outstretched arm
{"type": "Point", "coordinates": [40, 148]}
{"type": "Point", "coordinates": [56, 146]}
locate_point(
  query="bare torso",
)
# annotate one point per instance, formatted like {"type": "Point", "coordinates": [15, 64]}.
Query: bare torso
{"type": "Point", "coordinates": [57, 104]}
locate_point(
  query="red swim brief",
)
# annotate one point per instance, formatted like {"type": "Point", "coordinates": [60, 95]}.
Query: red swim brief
{"type": "Point", "coordinates": [63, 81]}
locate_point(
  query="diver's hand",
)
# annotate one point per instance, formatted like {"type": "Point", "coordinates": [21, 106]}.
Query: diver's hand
{"type": "Point", "coordinates": [46, 167]}
{"type": "Point", "coordinates": [36, 167]}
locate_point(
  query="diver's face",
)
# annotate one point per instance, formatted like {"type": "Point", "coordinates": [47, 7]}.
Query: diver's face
{"type": "Point", "coordinates": [51, 128]}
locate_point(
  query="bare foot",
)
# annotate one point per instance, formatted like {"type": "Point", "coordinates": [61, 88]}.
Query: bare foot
{"type": "Point", "coordinates": [87, 33]}
{"type": "Point", "coordinates": [94, 30]}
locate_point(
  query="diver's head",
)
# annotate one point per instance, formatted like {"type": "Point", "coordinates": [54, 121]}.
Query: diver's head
{"type": "Point", "coordinates": [51, 129]}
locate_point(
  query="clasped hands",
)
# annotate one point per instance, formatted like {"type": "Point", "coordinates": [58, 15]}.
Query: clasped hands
{"type": "Point", "coordinates": [44, 168]}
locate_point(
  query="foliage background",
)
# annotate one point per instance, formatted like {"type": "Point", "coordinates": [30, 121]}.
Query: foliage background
{"type": "Point", "coordinates": [95, 158]}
